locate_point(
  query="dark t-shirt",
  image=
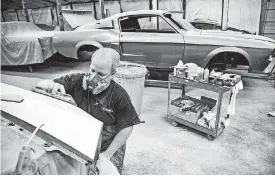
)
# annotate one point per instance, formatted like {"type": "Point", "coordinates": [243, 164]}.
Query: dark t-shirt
{"type": "Point", "coordinates": [113, 106]}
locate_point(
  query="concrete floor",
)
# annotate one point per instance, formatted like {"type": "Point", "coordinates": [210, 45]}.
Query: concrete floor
{"type": "Point", "coordinates": [247, 146]}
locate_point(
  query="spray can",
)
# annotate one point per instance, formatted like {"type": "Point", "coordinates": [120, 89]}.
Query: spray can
{"type": "Point", "coordinates": [206, 74]}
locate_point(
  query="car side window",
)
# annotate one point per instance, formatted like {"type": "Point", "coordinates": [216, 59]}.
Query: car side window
{"type": "Point", "coordinates": [129, 24]}
{"type": "Point", "coordinates": [152, 24]}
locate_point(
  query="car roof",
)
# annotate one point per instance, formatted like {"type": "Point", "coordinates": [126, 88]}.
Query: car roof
{"type": "Point", "coordinates": [137, 12]}
{"type": "Point", "coordinates": [124, 14]}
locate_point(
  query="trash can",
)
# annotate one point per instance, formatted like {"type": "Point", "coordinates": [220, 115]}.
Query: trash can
{"type": "Point", "coordinates": [131, 77]}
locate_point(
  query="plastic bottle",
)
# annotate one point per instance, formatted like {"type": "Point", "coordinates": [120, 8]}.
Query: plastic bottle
{"type": "Point", "coordinates": [206, 74]}
{"type": "Point", "coordinates": [201, 74]}
{"type": "Point", "coordinates": [178, 69]}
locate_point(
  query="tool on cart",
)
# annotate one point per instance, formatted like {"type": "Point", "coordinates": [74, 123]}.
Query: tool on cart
{"type": "Point", "coordinates": [25, 165]}
{"type": "Point", "coordinates": [64, 97]}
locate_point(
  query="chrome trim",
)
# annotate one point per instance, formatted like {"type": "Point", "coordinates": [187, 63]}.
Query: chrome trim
{"type": "Point", "coordinates": [138, 55]}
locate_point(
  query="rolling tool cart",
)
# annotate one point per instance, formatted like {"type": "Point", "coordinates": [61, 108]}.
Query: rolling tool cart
{"type": "Point", "coordinates": [188, 110]}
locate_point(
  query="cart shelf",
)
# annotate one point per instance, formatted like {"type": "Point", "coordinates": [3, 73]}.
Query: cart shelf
{"type": "Point", "coordinates": [175, 116]}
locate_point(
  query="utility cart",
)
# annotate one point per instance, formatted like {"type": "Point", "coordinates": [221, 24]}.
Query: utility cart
{"type": "Point", "coordinates": [175, 116]}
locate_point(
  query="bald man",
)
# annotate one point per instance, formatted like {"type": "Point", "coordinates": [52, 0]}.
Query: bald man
{"type": "Point", "coordinates": [96, 93]}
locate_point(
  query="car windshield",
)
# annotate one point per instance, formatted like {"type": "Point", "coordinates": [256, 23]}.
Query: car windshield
{"type": "Point", "coordinates": [181, 23]}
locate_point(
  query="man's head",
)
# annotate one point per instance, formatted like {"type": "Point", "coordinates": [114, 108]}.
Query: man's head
{"type": "Point", "coordinates": [102, 69]}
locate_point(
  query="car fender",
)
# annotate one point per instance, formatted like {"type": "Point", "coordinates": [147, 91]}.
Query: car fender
{"type": "Point", "coordinates": [226, 49]}
{"type": "Point", "coordinates": [82, 43]}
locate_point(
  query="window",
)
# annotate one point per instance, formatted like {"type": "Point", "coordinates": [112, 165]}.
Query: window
{"type": "Point", "coordinates": [145, 24]}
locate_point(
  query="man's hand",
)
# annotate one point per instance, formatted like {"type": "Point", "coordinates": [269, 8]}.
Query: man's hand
{"type": "Point", "coordinates": [51, 87]}
{"type": "Point", "coordinates": [105, 166]}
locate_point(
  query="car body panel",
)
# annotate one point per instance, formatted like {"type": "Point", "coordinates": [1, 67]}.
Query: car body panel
{"type": "Point", "coordinates": [162, 50]}
{"type": "Point", "coordinates": [64, 124]}
{"type": "Point", "coordinates": [152, 49]}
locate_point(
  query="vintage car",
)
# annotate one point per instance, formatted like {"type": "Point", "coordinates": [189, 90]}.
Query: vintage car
{"type": "Point", "coordinates": [154, 38]}
{"type": "Point", "coordinates": [67, 143]}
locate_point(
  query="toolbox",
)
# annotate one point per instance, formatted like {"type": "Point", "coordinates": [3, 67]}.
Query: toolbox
{"type": "Point", "coordinates": [193, 112]}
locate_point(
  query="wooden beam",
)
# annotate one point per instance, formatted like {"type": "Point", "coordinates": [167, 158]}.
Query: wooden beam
{"type": "Point", "coordinates": [224, 21]}
{"type": "Point", "coordinates": [59, 14]}
{"type": "Point", "coordinates": [262, 16]}
{"type": "Point", "coordinates": [52, 15]}
{"type": "Point", "coordinates": [184, 8]}
{"type": "Point", "coordinates": [53, 3]}
{"type": "Point", "coordinates": [95, 11]}
{"type": "Point", "coordinates": [57, 18]}
{"type": "Point", "coordinates": [39, 2]}
{"type": "Point", "coordinates": [10, 5]}
{"type": "Point", "coordinates": [17, 15]}
{"type": "Point", "coordinates": [3, 17]}
{"type": "Point", "coordinates": [120, 8]}
{"type": "Point", "coordinates": [25, 11]}
{"type": "Point", "coordinates": [101, 5]}
{"type": "Point", "coordinates": [155, 4]}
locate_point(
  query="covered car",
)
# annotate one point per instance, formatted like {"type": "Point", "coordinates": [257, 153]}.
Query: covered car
{"type": "Point", "coordinates": [23, 43]}
{"type": "Point", "coordinates": [154, 38]}
{"type": "Point", "coordinates": [67, 143]}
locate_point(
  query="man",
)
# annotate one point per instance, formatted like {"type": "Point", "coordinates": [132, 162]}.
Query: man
{"type": "Point", "coordinates": [96, 93]}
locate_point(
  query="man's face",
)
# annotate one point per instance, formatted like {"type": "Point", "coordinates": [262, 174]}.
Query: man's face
{"type": "Point", "coordinates": [100, 67]}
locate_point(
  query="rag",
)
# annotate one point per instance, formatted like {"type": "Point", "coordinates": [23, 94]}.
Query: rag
{"type": "Point", "coordinates": [235, 90]}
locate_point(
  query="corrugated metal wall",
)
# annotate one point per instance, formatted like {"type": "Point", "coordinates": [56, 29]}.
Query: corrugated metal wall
{"type": "Point", "coordinates": [269, 23]}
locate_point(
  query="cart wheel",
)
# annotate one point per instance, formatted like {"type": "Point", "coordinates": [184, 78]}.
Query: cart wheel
{"type": "Point", "coordinates": [210, 137]}
{"type": "Point", "coordinates": [173, 123]}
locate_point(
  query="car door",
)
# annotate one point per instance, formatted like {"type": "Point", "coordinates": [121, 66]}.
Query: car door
{"type": "Point", "coordinates": [150, 40]}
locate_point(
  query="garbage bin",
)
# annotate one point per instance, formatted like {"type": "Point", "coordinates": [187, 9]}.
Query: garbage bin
{"type": "Point", "coordinates": [131, 77]}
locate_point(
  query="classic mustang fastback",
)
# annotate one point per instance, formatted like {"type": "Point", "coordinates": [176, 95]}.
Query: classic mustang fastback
{"type": "Point", "coordinates": [154, 38]}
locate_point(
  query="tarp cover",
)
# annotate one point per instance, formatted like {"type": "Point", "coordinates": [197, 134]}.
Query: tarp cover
{"type": "Point", "coordinates": [241, 14]}
{"type": "Point", "coordinates": [78, 18]}
{"type": "Point", "coordinates": [23, 43]}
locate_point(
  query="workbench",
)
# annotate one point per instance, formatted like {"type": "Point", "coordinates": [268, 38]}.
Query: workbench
{"type": "Point", "coordinates": [175, 117]}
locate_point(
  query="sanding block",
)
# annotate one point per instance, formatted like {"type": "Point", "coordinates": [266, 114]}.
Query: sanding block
{"type": "Point", "coordinates": [63, 97]}
{"type": "Point", "coordinates": [12, 98]}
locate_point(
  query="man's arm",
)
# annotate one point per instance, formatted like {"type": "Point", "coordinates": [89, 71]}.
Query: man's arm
{"type": "Point", "coordinates": [118, 141]}
{"type": "Point", "coordinates": [51, 87]}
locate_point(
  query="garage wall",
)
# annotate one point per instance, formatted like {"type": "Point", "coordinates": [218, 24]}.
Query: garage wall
{"type": "Point", "coordinates": [245, 14]}
{"type": "Point", "coordinates": [269, 23]}
{"type": "Point", "coordinates": [176, 6]}
{"type": "Point", "coordinates": [242, 14]}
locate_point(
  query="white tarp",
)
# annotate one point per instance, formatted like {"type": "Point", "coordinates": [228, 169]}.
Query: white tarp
{"type": "Point", "coordinates": [78, 18]}
{"type": "Point", "coordinates": [242, 14]}
{"type": "Point", "coordinates": [245, 15]}
{"type": "Point", "coordinates": [10, 15]}
{"type": "Point", "coordinates": [23, 43]}
{"type": "Point", "coordinates": [174, 6]}
{"type": "Point", "coordinates": [129, 5]}
{"type": "Point", "coordinates": [42, 16]}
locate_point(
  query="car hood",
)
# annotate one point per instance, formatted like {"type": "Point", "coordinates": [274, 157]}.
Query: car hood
{"type": "Point", "coordinates": [69, 126]}
{"type": "Point", "coordinates": [240, 35]}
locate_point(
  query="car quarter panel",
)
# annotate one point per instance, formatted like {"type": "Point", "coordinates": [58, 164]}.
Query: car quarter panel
{"type": "Point", "coordinates": [199, 48]}
{"type": "Point", "coordinates": [66, 42]}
